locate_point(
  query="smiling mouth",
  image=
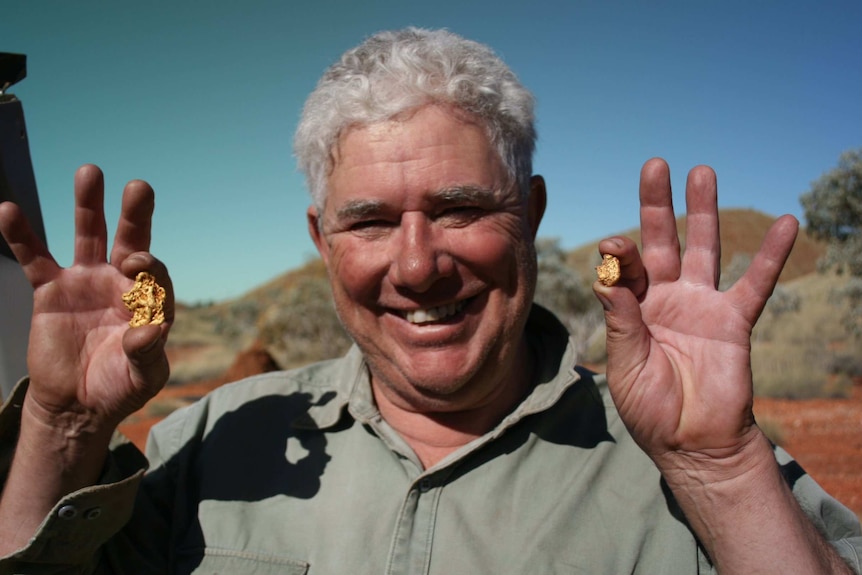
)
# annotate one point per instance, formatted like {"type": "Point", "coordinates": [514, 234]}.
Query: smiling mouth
{"type": "Point", "coordinates": [434, 314]}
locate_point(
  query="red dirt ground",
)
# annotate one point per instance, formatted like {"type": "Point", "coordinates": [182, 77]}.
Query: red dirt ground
{"type": "Point", "coordinates": [824, 435]}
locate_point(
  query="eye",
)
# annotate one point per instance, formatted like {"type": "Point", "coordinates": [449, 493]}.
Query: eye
{"type": "Point", "coordinates": [367, 224]}
{"type": "Point", "coordinates": [372, 227]}
{"type": "Point", "coordinates": [461, 214]}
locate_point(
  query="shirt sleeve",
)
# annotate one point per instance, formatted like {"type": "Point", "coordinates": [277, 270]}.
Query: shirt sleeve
{"type": "Point", "coordinates": [838, 524]}
{"type": "Point", "coordinates": [71, 537]}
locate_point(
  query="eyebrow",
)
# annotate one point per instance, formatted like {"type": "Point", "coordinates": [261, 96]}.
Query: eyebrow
{"type": "Point", "coordinates": [359, 209]}
{"type": "Point", "coordinates": [459, 194]}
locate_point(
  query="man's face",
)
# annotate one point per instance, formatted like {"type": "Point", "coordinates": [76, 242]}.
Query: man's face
{"type": "Point", "coordinates": [429, 248]}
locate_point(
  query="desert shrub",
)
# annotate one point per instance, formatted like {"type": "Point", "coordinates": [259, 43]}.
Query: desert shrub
{"type": "Point", "coordinates": [852, 294]}
{"type": "Point", "coordinates": [833, 210]}
{"type": "Point", "coordinates": [559, 287]}
{"type": "Point", "coordinates": [788, 371]}
{"type": "Point", "coordinates": [783, 301]}
{"type": "Point", "coordinates": [849, 365]}
{"type": "Point", "coordinates": [240, 319]}
{"type": "Point", "coordinates": [303, 327]}
{"type": "Point", "coordinates": [734, 270]}
{"type": "Point", "coordinates": [565, 292]}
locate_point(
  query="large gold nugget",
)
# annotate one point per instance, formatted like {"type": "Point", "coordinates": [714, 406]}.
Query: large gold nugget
{"type": "Point", "coordinates": [609, 271]}
{"type": "Point", "coordinates": [146, 301]}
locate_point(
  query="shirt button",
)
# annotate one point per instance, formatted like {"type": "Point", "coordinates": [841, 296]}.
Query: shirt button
{"type": "Point", "coordinates": [424, 485]}
{"type": "Point", "coordinates": [93, 513]}
{"type": "Point", "coordinates": [67, 512]}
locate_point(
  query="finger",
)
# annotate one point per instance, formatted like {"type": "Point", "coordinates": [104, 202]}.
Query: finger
{"type": "Point", "coordinates": [136, 216]}
{"type": "Point", "coordinates": [37, 262]}
{"type": "Point", "coordinates": [753, 289]}
{"type": "Point", "coordinates": [91, 233]}
{"type": "Point", "coordinates": [701, 262]}
{"type": "Point", "coordinates": [659, 235]}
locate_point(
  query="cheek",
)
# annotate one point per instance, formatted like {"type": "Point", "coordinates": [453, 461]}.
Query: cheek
{"type": "Point", "coordinates": [355, 271]}
{"type": "Point", "coordinates": [498, 258]}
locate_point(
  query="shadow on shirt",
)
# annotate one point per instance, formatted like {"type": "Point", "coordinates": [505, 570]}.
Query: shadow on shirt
{"type": "Point", "coordinates": [251, 454]}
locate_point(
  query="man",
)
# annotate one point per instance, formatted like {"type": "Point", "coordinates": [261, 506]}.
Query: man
{"type": "Point", "coordinates": [458, 436]}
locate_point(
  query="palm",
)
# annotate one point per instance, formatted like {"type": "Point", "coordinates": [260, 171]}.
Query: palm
{"type": "Point", "coordinates": [691, 367]}
{"type": "Point", "coordinates": [82, 306]}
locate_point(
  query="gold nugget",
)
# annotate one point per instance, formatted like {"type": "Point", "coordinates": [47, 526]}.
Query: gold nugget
{"type": "Point", "coordinates": [146, 301]}
{"type": "Point", "coordinates": [609, 271]}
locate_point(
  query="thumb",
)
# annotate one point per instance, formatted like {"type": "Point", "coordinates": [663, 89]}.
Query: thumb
{"type": "Point", "coordinates": [627, 336]}
{"type": "Point", "coordinates": [145, 348]}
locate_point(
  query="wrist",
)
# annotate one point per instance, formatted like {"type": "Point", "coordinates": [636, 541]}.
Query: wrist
{"type": "Point", "coordinates": [744, 512]}
{"type": "Point", "coordinates": [75, 439]}
{"type": "Point", "coordinates": [751, 457]}
{"type": "Point", "coordinates": [55, 454]}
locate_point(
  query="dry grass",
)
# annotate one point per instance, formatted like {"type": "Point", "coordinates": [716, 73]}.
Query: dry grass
{"type": "Point", "coordinates": [793, 354]}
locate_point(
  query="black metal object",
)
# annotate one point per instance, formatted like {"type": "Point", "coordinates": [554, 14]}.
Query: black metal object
{"type": "Point", "coordinates": [13, 69]}
{"type": "Point", "coordinates": [17, 181]}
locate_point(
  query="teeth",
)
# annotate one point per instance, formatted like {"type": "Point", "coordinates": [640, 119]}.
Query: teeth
{"type": "Point", "coordinates": [434, 313]}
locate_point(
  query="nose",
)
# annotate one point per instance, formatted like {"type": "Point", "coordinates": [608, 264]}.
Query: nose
{"type": "Point", "coordinates": [420, 254]}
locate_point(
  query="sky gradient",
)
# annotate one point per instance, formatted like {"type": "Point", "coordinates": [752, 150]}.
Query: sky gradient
{"type": "Point", "coordinates": [201, 99]}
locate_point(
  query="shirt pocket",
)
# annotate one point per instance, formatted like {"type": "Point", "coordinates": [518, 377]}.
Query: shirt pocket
{"type": "Point", "coordinates": [227, 562]}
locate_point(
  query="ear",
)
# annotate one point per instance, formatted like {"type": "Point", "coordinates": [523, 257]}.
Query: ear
{"type": "Point", "coordinates": [315, 223]}
{"type": "Point", "coordinates": [536, 203]}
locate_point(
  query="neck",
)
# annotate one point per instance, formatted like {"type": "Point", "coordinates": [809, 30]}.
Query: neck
{"type": "Point", "coordinates": [435, 434]}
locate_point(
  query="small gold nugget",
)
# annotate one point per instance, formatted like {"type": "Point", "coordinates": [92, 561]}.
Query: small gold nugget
{"type": "Point", "coordinates": [146, 301]}
{"type": "Point", "coordinates": [609, 271]}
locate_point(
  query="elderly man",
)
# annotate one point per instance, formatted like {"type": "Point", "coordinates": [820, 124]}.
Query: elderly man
{"type": "Point", "coordinates": [459, 435]}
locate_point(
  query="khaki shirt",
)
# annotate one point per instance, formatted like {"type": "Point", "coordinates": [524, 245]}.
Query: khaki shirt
{"type": "Point", "coordinates": [296, 472]}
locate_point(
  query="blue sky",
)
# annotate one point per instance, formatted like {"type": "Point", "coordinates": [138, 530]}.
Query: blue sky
{"type": "Point", "coordinates": [201, 99]}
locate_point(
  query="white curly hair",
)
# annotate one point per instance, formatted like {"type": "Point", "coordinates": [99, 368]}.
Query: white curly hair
{"type": "Point", "coordinates": [397, 71]}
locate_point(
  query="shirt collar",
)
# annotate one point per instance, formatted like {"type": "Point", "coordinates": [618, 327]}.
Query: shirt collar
{"type": "Point", "coordinates": [555, 359]}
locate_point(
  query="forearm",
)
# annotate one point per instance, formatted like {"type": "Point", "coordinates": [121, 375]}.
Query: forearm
{"type": "Point", "coordinates": [50, 461]}
{"type": "Point", "coordinates": [750, 522]}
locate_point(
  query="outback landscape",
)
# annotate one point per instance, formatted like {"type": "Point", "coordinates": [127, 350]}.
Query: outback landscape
{"type": "Point", "coordinates": [808, 369]}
